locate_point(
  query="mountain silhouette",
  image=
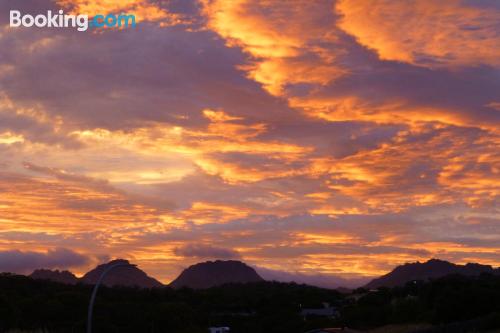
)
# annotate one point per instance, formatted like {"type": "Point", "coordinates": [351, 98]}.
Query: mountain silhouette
{"type": "Point", "coordinates": [128, 276]}
{"type": "Point", "coordinates": [433, 268]}
{"type": "Point", "coordinates": [65, 277]}
{"type": "Point", "coordinates": [215, 273]}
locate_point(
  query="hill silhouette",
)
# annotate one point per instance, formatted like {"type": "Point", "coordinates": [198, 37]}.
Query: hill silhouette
{"type": "Point", "coordinates": [128, 276]}
{"type": "Point", "coordinates": [433, 268]}
{"type": "Point", "coordinates": [215, 273]}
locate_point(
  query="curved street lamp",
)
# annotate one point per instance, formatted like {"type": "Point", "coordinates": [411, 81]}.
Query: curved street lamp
{"type": "Point", "coordinates": [96, 287]}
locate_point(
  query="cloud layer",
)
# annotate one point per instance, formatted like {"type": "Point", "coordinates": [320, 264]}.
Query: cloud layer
{"type": "Point", "coordinates": [25, 262]}
{"type": "Point", "coordinates": [324, 138]}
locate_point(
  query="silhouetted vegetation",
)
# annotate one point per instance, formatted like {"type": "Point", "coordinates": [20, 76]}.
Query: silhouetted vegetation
{"type": "Point", "coordinates": [454, 298]}
{"type": "Point", "coordinates": [268, 307]}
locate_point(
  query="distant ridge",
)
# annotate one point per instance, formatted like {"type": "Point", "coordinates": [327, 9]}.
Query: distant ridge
{"type": "Point", "coordinates": [433, 268]}
{"type": "Point", "coordinates": [215, 273]}
{"type": "Point", "coordinates": [65, 277]}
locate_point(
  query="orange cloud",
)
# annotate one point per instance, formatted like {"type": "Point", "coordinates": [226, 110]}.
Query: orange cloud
{"type": "Point", "coordinates": [65, 206]}
{"type": "Point", "coordinates": [425, 33]}
{"type": "Point", "coordinates": [225, 134]}
{"type": "Point", "coordinates": [9, 138]}
{"type": "Point", "coordinates": [286, 44]}
{"type": "Point", "coordinates": [353, 108]}
{"type": "Point", "coordinates": [408, 173]}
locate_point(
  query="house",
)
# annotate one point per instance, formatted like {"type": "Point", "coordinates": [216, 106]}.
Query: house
{"type": "Point", "coordinates": [223, 329]}
{"type": "Point", "coordinates": [325, 311]}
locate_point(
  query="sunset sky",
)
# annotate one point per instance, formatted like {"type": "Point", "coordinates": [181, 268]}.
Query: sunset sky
{"type": "Point", "coordinates": [332, 138]}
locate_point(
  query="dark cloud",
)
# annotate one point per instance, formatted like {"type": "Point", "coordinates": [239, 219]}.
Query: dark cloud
{"type": "Point", "coordinates": [94, 78]}
{"type": "Point", "coordinates": [205, 251]}
{"type": "Point", "coordinates": [200, 187]}
{"type": "Point", "coordinates": [24, 236]}
{"type": "Point", "coordinates": [33, 129]}
{"type": "Point", "coordinates": [60, 174]}
{"type": "Point", "coordinates": [24, 262]}
{"type": "Point", "coordinates": [101, 185]}
{"type": "Point", "coordinates": [84, 205]}
{"type": "Point", "coordinates": [335, 249]}
{"type": "Point", "coordinates": [463, 94]}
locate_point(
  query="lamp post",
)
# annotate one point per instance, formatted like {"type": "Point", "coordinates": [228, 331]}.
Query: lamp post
{"type": "Point", "coordinates": [96, 287]}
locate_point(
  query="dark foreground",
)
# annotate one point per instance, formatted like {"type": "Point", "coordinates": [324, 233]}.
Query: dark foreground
{"type": "Point", "coordinates": [465, 304]}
